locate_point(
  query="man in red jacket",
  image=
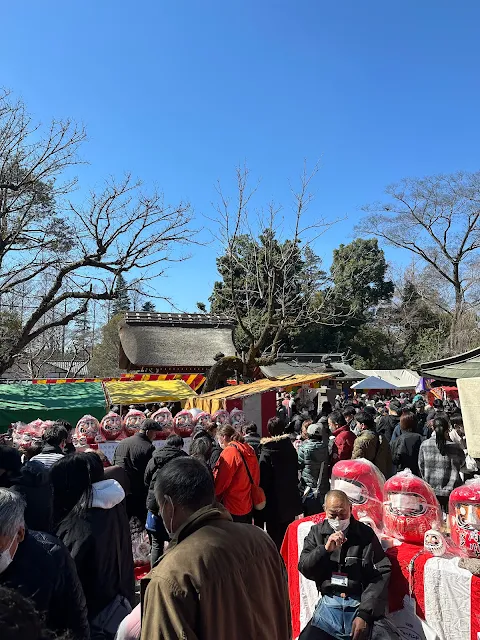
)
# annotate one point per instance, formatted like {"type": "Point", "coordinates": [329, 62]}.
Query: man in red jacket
{"type": "Point", "coordinates": [344, 437]}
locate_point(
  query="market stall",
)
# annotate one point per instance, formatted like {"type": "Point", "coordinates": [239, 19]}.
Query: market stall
{"type": "Point", "coordinates": [373, 383]}
{"type": "Point", "coordinates": [21, 402]}
{"type": "Point", "coordinates": [257, 400]}
{"type": "Point", "coordinates": [146, 392]}
{"type": "Point", "coordinates": [446, 596]}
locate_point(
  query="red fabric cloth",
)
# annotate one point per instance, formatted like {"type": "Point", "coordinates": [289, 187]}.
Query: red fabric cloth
{"type": "Point", "coordinates": [343, 444]}
{"type": "Point", "coordinates": [232, 484]}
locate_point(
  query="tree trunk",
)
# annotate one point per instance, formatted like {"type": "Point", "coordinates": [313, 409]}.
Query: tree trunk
{"type": "Point", "coordinates": [218, 374]}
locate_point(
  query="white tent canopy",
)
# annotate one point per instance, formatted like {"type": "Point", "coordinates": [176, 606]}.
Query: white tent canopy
{"type": "Point", "coordinates": [372, 382]}
{"type": "Point", "coordinates": [400, 378]}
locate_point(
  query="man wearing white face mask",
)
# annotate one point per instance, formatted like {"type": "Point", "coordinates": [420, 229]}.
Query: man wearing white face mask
{"type": "Point", "coordinates": [39, 566]}
{"type": "Point", "coordinates": [346, 560]}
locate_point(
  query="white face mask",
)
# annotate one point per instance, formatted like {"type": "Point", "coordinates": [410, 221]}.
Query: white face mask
{"type": "Point", "coordinates": [338, 525]}
{"type": "Point", "coordinates": [6, 558]}
{"type": "Point", "coordinates": [169, 531]}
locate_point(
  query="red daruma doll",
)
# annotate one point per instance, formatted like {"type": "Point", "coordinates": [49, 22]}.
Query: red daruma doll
{"type": "Point", "coordinates": [410, 508]}
{"type": "Point", "coordinates": [88, 431]}
{"type": "Point", "coordinates": [133, 421]}
{"type": "Point", "coordinates": [165, 419]}
{"type": "Point", "coordinates": [221, 417]}
{"type": "Point", "coordinates": [363, 483]}
{"type": "Point", "coordinates": [183, 424]}
{"type": "Point", "coordinates": [112, 426]}
{"type": "Point", "coordinates": [464, 516]}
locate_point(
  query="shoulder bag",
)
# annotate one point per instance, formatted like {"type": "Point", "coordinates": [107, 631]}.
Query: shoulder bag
{"type": "Point", "coordinates": [258, 494]}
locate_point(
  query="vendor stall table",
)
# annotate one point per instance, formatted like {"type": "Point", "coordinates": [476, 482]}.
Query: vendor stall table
{"type": "Point", "coordinates": [446, 596]}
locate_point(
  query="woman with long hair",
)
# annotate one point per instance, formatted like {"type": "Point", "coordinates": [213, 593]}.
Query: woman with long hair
{"type": "Point", "coordinates": [91, 520]}
{"type": "Point", "coordinates": [232, 482]}
{"type": "Point", "coordinates": [440, 461]}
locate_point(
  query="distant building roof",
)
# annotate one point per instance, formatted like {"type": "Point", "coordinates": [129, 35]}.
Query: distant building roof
{"type": "Point", "coordinates": [176, 342]}
{"type": "Point", "coordinates": [304, 364]}
{"type": "Point", "coordinates": [463, 365]}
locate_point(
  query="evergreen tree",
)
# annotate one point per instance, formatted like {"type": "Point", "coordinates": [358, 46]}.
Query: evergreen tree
{"type": "Point", "coordinates": [122, 300]}
{"type": "Point", "coordinates": [149, 307]}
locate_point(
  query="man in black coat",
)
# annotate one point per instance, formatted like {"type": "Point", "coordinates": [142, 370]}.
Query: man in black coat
{"type": "Point", "coordinates": [134, 454]}
{"type": "Point", "coordinates": [172, 449]}
{"type": "Point", "coordinates": [346, 560]}
{"type": "Point", "coordinates": [386, 424]}
{"type": "Point", "coordinates": [279, 480]}
{"type": "Point", "coordinates": [32, 483]}
{"type": "Point", "coordinates": [39, 566]}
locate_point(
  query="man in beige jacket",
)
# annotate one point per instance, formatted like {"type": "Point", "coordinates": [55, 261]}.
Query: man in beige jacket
{"type": "Point", "coordinates": [218, 580]}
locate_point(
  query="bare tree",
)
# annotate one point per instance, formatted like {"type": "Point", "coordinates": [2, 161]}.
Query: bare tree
{"type": "Point", "coordinates": [81, 250]}
{"type": "Point", "coordinates": [436, 218]}
{"type": "Point", "coordinates": [274, 286]}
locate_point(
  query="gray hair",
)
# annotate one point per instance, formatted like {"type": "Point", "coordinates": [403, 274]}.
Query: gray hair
{"type": "Point", "coordinates": [12, 510]}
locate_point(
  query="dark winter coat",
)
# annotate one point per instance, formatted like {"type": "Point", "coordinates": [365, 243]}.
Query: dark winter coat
{"type": "Point", "coordinates": [361, 557]}
{"type": "Point", "coordinates": [386, 426]}
{"type": "Point", "coordinates": [159, 459]}
{"type": "Point", "coordinates": [133, 454]}
{"type": "Point", "coordinates": [279, 479]}
{"type": "Point", "coordinates": [100, 544]}
{"type": "Point", "coordinates": [43, 571]}
{"type": "Point", "coordinates": [32, 482]}
{"type": "Point", "coordinates": [311, 454]}
{"type": "Point", "coordinates": [253, 439]}
{"type": "Point", "coordinates": [216, 449]}
{"type": "Point", "coordinates": [405, 450]}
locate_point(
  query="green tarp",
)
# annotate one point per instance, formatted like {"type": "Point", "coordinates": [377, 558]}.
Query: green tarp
{"type": "Point", "coordinates": [68, 401]}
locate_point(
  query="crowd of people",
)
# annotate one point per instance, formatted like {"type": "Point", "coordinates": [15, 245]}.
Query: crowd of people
{"type": "Point", "coordinates": [66, 521]}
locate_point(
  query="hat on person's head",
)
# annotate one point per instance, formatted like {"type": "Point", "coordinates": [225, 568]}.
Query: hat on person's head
{"type": "Point", "coordinates": [315, 430]}
{"type": "Point", "coordinates": [150, 425]}
{"type": "Point", "coordinates": [10, 458]}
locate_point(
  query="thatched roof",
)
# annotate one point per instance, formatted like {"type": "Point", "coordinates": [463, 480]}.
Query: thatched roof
{"type": "Point", "coordinates": [174, 341]}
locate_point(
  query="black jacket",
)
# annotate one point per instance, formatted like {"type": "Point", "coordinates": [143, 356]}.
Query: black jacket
{"type": "Point", "coordinates": [216, 449]}
{"type": "Point", "coordinates": [361, 557]}
{"type": "Point", "coordinates": [32, 482]}
{"type": "Point", "coordinates": [159, 459]}
{"type": "Point", "coordinates": [100, 544]}
{"type": "Point", "coordinates": [279, 479]}
{"type": "Point", "coordinates": [253, 439]}
{"type": "Point", "coordinates": [43, 570]}
{"type": "Point", "coordinates": [133, 454]}
{"type": "Point", "coordinates": [386, 426]}
{"type": "Point", "coordinates": [405, 450]}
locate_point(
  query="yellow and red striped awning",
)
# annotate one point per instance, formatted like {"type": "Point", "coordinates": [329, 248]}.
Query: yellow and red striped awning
{"type": "Point", "coordinates": [194, 380]}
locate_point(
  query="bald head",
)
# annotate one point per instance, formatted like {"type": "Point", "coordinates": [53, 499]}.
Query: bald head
{"type": "Point", "coordinates": [337, 505]}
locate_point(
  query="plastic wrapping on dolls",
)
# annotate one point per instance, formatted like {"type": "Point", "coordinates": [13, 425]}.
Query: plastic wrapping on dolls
{"type": "Point", "coordinates": [410, 508]}
{"type": "Point", "coordinates": [363, 483]}
{"type": "Point", "coordinates": [165, 419]}
{"type": "Point", "coordinates": [133, 421]}
{"type": "Point", "coordinates": [464, 518]}
{"type": "Point", "coordinates": [88, 431]}
{"type": "Point", "coordinates": [111, 427]}
{"type": "Point", "coordinates": [183, 424]}
{"type": "Point", "coordinates": [237, 418]}
{"type": "Point", "coordinates": [221, 417]}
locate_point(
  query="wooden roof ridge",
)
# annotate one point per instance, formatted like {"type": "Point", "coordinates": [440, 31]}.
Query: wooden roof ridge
{"type": "Point", "coordinates": [178, 319]}
{"type": "Point", "coordinates": [457, 359]}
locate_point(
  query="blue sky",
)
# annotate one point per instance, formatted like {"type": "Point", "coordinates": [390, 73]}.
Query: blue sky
{"type": "Point", "coordinates": [180, 92]}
